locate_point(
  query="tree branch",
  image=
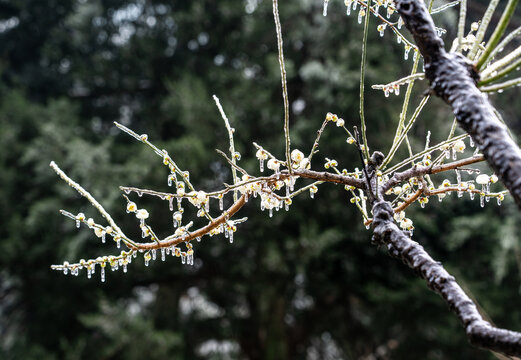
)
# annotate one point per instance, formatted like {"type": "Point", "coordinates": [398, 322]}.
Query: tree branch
{"type": "Point", "coordinates": [454, 79]}
{"type": "Point", "coordinates": [479, 331]}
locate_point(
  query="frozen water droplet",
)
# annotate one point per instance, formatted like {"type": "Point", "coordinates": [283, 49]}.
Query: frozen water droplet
{"type": "Point", "coordinates": [65, 271]}
{"type": "Point", "coordinates": [324, 11]}
{"type": "Point", "coordinates": [139, 193]}
{"type": "Point", "coordinates": [198, 239]}
{"type": "Point", "coordinates": [221, 203]}
{"type": "Point", "coordinates": [498, 200]}
{"type": "Point", "coordinates": [171, 204]}
{"type": "Point", "coordinates": [271, 212]}
{"type": "Point", "coordinates": [162, 254]}
{"type": "Point", "coordinates": [471, 194]}
{"type": "Point", "coordinates": [103, 235]}
{"type": "Point", "coordinates": [231, 237]}
{"type": "Point", "coordinates": [124, 268]}
{"type": "Point", "coordinates": [471, 141]}
{"type": "Point", "coordinates": [153, 254]}
{"type": "Point", "coordinates": [406, 53]}
{"type": "Point", "coordinates": [77, 224]}
{"type": "Point", "coordinates": [102, 274]}
{"type": "Point", "coordinates": [481, 200]}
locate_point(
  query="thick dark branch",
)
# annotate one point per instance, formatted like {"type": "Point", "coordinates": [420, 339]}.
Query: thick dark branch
{"type": "Point", "coordinates": [479, 332]}
{"type": "Point", "coordinates": [453, 79]}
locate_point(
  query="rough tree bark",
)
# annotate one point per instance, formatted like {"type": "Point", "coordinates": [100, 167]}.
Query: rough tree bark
{"type": "Point", "coordinates": [453, 78]}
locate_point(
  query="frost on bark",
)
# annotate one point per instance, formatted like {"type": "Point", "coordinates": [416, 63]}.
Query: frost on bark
{"type": "Point", "coordinates": [453, 78]}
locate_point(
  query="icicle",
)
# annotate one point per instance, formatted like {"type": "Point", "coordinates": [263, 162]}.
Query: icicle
{"type": "Point", "coordinates": [471, 194]}
{"type": "Point", "coordinates": [376, 8]}
{"type": "Point", "coordinates": [65, 270]}
{"type": "Point", "coordinates": [153, 254]}
{"type": "Point", "coordinates": [406, 53]}
{"type": "Point", "coordinates": [162, 254]}
{"type": "Point", "coordinates": [271, 212]}
{"type": "Point", "coordinates": [231, 237]}
{"type": "Point", "coordinates": [170, 180]}
{"type": "Point", "coordinates": [207, 205]}
{"type": "Point", "coordinates": [481, 200]}
{"type": "Point", "coordinates": [499, 200]}
{"type": "Point", "coordinates": [286, 206]}
{"type": "Point", "coordinates": [118, 242]}
{"type": "Point", "coordinates": [399, 39]}
{"type": "Point", "coordinates": [458, 181]}
{"type": "Point", "coordinates": [348, 8]}
{"type": "Point", "coordinates": [171, 204]}
{"type": "Point", "coordinates": [167, 251]}
{"type": "Point", "coordinates": [324, 11]}
{"type": "Point", "coordinates": [139, 193]}
{"type": "Point", "coordinates": [422, 204]}
{"type": "Point", "coordinates": [400, 23]}
{"type": "Point", "coordinates": [454, 155]}
{"type": "Point", "coordinates": [415, 55]}
{"type": "Point", "coordinates": [78, 224]}
{"type": "Point", "coordinates": [103, 234]}
{"type": "Point", "coordinates": [102, 273]}
{"type": "Point", "coordinates": [487, 192]}
{"type": "Point", "coordinates": [471, 141]}
{"type": "Point", "coordinates": [124, 268]}
{"type": "Point", "coordinates": [311, 194]}
{"type": "Point", "coordinates": [397, 90]}
{"type": "Point", "coordinates": [134, 254]}
{"type": "Point", "coordinates": [447, 153]}
{"type": "Point", "coordinates": [360, 15]}
{"type": "Point", "coordinates": [183, 258]}
{"type": "Point", "coordinates": [127, 191]}
{"type": "Point", "coordinates": [354, 5]}
{"type": "Point", "coordinates": [221, 203]}
{"type": "Point", "coordinates": [367, 226]}
{"type": "Point", "coordinates": [198, 239]}
{"type": "Point", "coordinates": [386, 92]}
{"type": "Point", "coordinates": [261, 165]}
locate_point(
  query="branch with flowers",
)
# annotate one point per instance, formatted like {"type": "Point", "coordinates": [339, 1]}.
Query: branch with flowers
{"type": "Point", "coordinates": [381, 186]}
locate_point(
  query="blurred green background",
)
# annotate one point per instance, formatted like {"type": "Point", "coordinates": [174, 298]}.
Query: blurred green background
{"type": "Point", "coordinates": [302, 285]}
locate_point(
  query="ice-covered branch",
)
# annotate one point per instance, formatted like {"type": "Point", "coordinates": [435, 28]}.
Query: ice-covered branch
{"type": "Point", "coordinates": [454, 79]}
{"type": "Point", "coordinates": [479, 331]}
